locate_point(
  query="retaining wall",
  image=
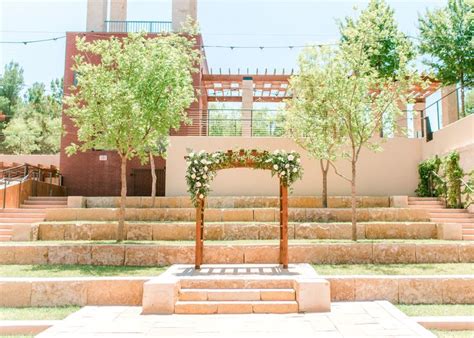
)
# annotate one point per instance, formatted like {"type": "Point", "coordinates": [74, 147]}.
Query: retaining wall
{"type": "Point", "coordinates": [169, 231]}
{"type": "Point", "coordinates": [25, 292]}
{"type": "Point", "coordinates": [161, 255]}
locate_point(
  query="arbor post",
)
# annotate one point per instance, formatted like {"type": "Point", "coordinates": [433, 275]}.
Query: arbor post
{"type": "Point", "coordinates": [199, 233]}
{"type": "Point", "coordinates": [283, 225]}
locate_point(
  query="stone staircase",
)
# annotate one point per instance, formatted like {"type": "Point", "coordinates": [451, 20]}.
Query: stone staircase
{"type": "Point", "coordinates": [15, 220]}
{"type": "Point", "coordinates": [211, 299]}
{"type": "Point", "coordinates": [438, 213]}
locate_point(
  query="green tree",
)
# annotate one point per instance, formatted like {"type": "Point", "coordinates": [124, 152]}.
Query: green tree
{"type": "Point", "coordinates": [359, 100]}
{"type": "Point", "coordinates": [377, 31]}
{"type": "Point", "coordinates": [36, 126]}
{"type": "Point", "coordinates": [311, 120]}
{"type": "Point", "coordinates": [133, 97]}
{"type": "Point", "coordinates": [11, 83]}
{"type": "Point", "coordinates": [447, 37]}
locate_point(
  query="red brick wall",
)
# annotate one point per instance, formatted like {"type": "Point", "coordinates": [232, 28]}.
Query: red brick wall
{"type": "Point", "coordinates": [84, 174]}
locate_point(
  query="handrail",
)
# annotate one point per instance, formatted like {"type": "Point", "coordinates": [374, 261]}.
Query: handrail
{"type": "Point", "coordinates": [471, 190]}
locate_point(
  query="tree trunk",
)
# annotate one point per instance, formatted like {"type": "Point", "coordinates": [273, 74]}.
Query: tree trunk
{"type": "Point", "coordinates": [463, 112]}
{"type": "Point", "coordinates": [324, 170]}
{"type": "Point", "coordinates": [353, 201]}
{"type": "Point", "coordinates": [123, 197]}
{"type": "Point", "coordinates": [153, 180]}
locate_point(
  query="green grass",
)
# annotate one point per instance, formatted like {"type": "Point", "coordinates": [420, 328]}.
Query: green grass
{"type": "Point", "coordinates": [36, 313]}
{"type": "Point", "coordinates": [437, 309]}
{"type": "Point", "coordinates": [453, 334]}
{"type": "Point", "coordinates": [77, 271]}
{"type": "Point", "coordinates": [395, 269]}
{"type": "Point", "coordinates": [343, 269]}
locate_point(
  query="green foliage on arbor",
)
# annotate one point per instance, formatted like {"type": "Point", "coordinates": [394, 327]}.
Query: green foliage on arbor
{"type": "Point", "coordinates": [447, 36]}
{"type": "Point", "coordinates": [386, 47]}
{"type": "Point", "coordinates": [11, 83]}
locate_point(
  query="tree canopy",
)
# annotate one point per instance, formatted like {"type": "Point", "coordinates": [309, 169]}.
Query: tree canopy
{"type": "Point", "coordinates": [377, 31]}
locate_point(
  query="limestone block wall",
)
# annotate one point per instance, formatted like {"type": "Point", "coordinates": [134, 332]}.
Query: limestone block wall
{"type": "Point", "coordinates": [25, 292]}
{"type": "Point", "coordinates": [163, 255]}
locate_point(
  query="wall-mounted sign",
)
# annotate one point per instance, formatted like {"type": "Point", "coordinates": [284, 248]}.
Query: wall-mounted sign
{"type": "Point", "coordinates": [102, 157]}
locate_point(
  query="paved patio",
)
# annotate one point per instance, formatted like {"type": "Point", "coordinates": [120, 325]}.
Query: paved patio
{"type": "Point", "coordinates": [351, 319]}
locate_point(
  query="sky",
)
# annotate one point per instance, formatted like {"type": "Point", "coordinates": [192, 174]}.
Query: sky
{"type": "Point", "coordinates": [222, 22]}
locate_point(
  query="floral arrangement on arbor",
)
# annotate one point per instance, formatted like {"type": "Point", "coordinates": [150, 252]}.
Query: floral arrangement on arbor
{"type": "Point", "coordinates": [202, 167]}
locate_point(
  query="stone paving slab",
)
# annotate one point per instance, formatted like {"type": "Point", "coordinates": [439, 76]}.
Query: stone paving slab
{"type": "Point", "coordinates": [347, 319]}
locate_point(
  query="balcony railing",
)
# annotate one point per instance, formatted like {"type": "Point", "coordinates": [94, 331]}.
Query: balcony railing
{"type": "Point", "coordinates": [138, 26]}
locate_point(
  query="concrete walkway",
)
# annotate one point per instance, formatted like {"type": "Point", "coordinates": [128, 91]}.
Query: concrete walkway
{"type": "Point", "coordinates": [354, 319]}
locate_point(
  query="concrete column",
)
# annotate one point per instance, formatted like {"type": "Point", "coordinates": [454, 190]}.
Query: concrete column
{"type": "Point", "coordinates": [118, 10]}
{"type": "Point", "coordinates": [181, 10]}
{"type": "Point", "coordinates": [417, 125]}
{"type": "Point", "coordinates": [402, 124]}
{"type": "Point", "coordinates": [247, 106]}
{"type": "Point", "coordinates": [96, 15]}
{"type": "Point", "coordinates": [449, 105]}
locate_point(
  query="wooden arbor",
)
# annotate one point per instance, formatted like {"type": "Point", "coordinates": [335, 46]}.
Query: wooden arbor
{"type": "Point", "coordinates": [255, 160]}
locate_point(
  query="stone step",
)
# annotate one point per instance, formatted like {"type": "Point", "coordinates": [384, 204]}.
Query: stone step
{"type": "Point", "coordinates": [42, 206]}
{"type": "Point", "coordinates": [452, 220]}
{"type": "Point", "coordinates": [212, 307]}
{"type": "Point", "coordinates": [450, 214]}
{"type": "Point", "coordinates": [427, 207]}
{"type": "Point", "coordinates": [426, 203]}
{"type": "Point", "coordinates": [48, 198]}
{"type": "Point", "coordinates": [237, 283]}
{"type": "Point", "coordinates": [8, 232]}
{"type": "Point", "coordinates": [237, 294]}
{"type": "Point", "coordinates": [22, 210]}
{"type": "Point", "coordinates": [423, 198]}
{"type": "Point", "coordinates": [468, 237]}
{"type": "Point", "coordinates": [44, 202]}
{"type": "Point", "coordinates": [22, 215]}
{"type": "Point", "coordinates": [5, 238]}
{"type": "Point", "coordinates": [20, 220]}
{"type": "Point", "coordinates": [465, 231]}
{"type": "Point", "coordinates": [443, 210]}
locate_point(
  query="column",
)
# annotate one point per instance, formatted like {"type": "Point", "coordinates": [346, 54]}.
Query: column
{"type": "Point", "coordinates": [181, 10]}
{"type": "Point", "coordinates": [247, 106]}
{"type": "Point", "coordinates": [118, 10]}
{"type": "Point", "coordinates": [449, 105]}
{"type": "Point", "coordinates": [96, 15]}
{"type": "Point", "coordinates": [418, 115]}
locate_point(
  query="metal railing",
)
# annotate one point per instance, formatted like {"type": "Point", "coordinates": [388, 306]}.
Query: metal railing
{"type": "Point", "coordinates": [138, 26]}
{"type": "Point", "coordinates": [21, 173]}
{"type": "Point", "coordinates": [433, 113]}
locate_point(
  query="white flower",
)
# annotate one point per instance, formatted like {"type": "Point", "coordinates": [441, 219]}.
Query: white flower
{"type": "Point", "coordinates": [201, 196]}
{"type": "Point", "coordinates": [276, 152]}
{"type": "Point", "coordinates": [196, 162]}
{"type": "Point", "coordinates": [193, 176]}
{"type": "Point", "coordinates": [298, 160]}
{"type": "Point", "coordinates": [194, 170]}
{"type": "Point", "coordinates": [198, 184]}
{"type": "Point", "coordinates": [295, 170]}
{"type": "Point", "coordinates": [206, 168]}
{"type": "Point", "coordinates": [191, 154]}
{"type": "Point", "coordinates": [202, 152]}
{"type": "Point", "coordinates": [215, 154]}
{"type": "Point", "coordinates": [291, 157]}
{"type": "Point", "coordinates": [204, 176]}
{"type": "Point", "coordinates": [287, 166]}
{"type": "Point", "coordinates": [203, 161]}
{"type": "Point", "coordinates": [282, 173]}
{"type": "Point", "coordinates": [275, 167]}
{"type": "Point", "coordinates": [268, 161]}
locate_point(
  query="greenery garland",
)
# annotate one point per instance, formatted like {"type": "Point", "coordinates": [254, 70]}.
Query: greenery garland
{"type": "Point", "coordinates": [203, 166]}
